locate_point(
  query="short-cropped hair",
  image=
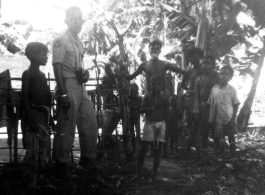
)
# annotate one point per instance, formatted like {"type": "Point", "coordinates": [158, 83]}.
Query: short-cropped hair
{"type": "Point", "coordinates": [156, 42]}
{"type": "Point", "coordinates": [134, 87]}
{"type": "Point", "coordinates": [34, 48]}
{"type": "Point", "coordinates": [210, 57]}
{"type": "Point", "coordinates": [229, 68]}
{"type": "Point", "coordinates": [195, 50]}
{"type": "Point", "coordinates": [70, 10]}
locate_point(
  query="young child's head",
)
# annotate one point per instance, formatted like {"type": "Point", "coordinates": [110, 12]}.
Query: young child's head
{"type": "Point", "coordinates": [208, 63]}
{"type": "Point", "coordinates": [195, 55]}
{"type": "Point", "coordinates": [156, 83]}
{"type": "Point", "coordinates": [226, 74]}
{"type": "Point", "coordinates": [37, 52]}
{"type": "Point", "coordinates": [134, 90]}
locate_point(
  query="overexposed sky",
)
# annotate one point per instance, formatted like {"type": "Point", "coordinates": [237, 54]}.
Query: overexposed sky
{"type": "Point", "coordinates": [41, 13]}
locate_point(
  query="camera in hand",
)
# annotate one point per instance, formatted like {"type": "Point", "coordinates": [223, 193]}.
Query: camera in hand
{"type": "Point", "coordinates": [82, 75]}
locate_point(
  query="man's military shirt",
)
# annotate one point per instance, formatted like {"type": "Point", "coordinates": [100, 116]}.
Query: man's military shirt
{"type": "Point", "coordinates": [69, 52]}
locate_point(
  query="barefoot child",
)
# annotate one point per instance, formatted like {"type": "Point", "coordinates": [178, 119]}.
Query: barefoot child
{"type": "Point", "coordinates": [172, 127]}
{"type": "Point", "coordinates": [224, 104]}
{"type": "Point", "coordinates": [155, 107]}
{"type": "Point", "coordinates": [134, 103]}
{"type": "Point", "coordinates": [36, 99]}
{"type": "Point", "coordinates": [203, 86]}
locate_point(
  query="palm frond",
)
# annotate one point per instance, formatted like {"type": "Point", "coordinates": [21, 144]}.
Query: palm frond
{"type": "Point", "coordinates": [134, 10]}
{"type": "Point", "coordinates": [181, 25]}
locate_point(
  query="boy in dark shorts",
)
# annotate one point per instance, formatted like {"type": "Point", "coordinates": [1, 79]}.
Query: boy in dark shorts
{"type": "Point", "coordinates": [155, 107]}
{"type": "Point", "coordinates": [134, 103]}
{"type": "Point", "coordinates": [224, 104]}
{"type": "Point", "coordinates": [36, 101]}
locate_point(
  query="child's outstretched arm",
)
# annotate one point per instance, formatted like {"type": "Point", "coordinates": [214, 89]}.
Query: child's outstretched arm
{"type": "Point", "coordinates": [25, 90]}
{"type": "Point", "coordinates": [136, 73]}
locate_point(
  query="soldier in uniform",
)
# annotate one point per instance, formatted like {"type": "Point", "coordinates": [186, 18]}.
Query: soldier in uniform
{"type": "Point", "coordinates": [74, 108]}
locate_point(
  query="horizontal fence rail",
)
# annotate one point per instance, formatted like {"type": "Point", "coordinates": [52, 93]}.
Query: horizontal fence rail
{"type": "Point", "coordinates": [15, 102]}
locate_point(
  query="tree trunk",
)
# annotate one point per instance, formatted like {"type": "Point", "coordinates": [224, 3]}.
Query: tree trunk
{"type": "Point", "coordinates": [245, 111]}
{"type": "Point", "coordinates": [201, 39]}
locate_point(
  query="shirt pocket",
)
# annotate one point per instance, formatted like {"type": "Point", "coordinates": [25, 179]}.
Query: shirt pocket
{"type": "Point", "coordinates": [70, 57]}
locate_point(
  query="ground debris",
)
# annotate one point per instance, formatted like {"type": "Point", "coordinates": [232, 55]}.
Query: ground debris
{"type": "Point", "coordinates": [231, 173]}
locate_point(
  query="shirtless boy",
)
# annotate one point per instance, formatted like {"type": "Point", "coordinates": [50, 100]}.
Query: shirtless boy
{"type": "Point", "coordinates": [201, 109]}
{"type": "Point", "coordinates": [134, 103]}
{"type": "Point", "coordinates": [36, 99]}
{"type": "Point", "coordinates": [155, 107]}
{"type": "Point", "coordinates": [155, 66]}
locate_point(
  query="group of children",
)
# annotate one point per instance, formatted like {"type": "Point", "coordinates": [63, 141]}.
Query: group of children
{"type": "Point", "coordinates": [215, 106]}
{"type": "Point", "coordinates": [215, 103]}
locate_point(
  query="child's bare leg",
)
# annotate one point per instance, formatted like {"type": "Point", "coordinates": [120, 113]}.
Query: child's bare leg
{"type": "Point", "coordinates": [205, 135]}
{"type": "Point", "coordinates": [137, 128]}
{"type": "Point", "coordinates": [231, 139]}
{"type": "Point", "coordinates": [157, 153]}
{"type": "Point", "coordinates": [176, 140]}
{"type": "Point", "coordinates": [131, 127]}
{"type": "Point", "coordinates": [172, 142]}
{"type": "Point", "coordinates": [151, 150]}
{"type": "Point", "coordinates": [165, 148]}
{"type": "Point", "coordinates": [140, 163]}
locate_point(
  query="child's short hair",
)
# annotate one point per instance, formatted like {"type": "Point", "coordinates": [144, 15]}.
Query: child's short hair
{"type": "Point", "coordinates": [229, 68]}
{"type": "Point", "coordinates": [134, 87]}
{"type": "Point", "coordinates": [34, 48]}
{"type": "Point", "coordinates": [195, 50]}
{"type": "Point", "coordinates": [155, 78]}
{"type": "Point", "coordinates": [210, 57]}
{"type": "Point", "coordinates": [156, 42]}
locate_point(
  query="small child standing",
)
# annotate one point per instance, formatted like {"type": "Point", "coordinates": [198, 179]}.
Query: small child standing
{"type": "Point", "coordinates": [155, 107]}
{"type": "Point", "coordinates": [36, 99]}
{"type": "Point", "coordinates": [134, 103]}
{"type": "Point", "coordinates": [203, 86]}
{"type": "Point", "coordinates": [224, 104]}
{"type": "Point", "coordinates": [172, 127]}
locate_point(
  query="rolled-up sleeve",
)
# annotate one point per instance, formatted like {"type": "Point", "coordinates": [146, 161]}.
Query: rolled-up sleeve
{"type": "Point", "coordinates": [58, 51]}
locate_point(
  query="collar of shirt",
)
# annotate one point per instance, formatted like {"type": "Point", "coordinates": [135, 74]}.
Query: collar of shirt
{"type": "Point", "coordinates": [222, 87]}
{"type": "Point", "coordinates": [72, 39]}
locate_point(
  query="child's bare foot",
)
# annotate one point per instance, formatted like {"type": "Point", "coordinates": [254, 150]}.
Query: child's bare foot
{"type": "Point", "coordinates": [136, 178]}
{"type": "Point", "coordinates": [156, 179]}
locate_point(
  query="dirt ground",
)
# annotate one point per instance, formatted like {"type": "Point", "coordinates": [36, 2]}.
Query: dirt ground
{"type": "Point", "coordinates": [241, 172]}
